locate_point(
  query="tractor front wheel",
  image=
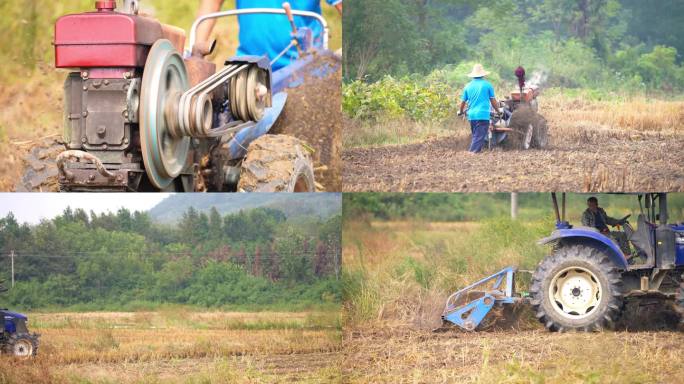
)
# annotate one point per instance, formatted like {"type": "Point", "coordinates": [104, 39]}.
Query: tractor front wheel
{"type": "Point", "coordinates": [576, 288]}
{"type": "Point", "coordinates": [22, 346]}
{"type": "Point", "coordinates": [277, 163]}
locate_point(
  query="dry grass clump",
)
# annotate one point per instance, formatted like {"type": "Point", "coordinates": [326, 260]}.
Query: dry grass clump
{"type": "Point", "coordinates": [400, 355]}
{"type": "Point", "coordinates": [402, 273]}
{"type": "Point", "coordinates": [636, 113]}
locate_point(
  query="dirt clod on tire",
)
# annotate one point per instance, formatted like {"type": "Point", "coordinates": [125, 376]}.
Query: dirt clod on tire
{"type": "Point", "coordinates": [522, 118]}
{"type": "Point", "coordinates": [277, 163]}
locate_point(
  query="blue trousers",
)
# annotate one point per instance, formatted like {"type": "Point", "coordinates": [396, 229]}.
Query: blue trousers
{"type": "Point", "coordinates": [479, 130]}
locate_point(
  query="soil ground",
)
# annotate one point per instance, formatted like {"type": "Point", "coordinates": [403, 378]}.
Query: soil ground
{"type": "Point", "coordinates": [622, 144]}
{"type": "Point", "coordinates": [403, 355]}
{"type": "Point", "coordinates": [592, 163]}
{"type": "Point", "coordinates": [313, 114]}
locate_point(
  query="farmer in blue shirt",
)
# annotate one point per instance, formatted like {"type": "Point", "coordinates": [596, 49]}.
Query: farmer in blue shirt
{"type": "Point", "coordinates": [266, 34]}
{"type": "Point", "coordinates": [479, 96]}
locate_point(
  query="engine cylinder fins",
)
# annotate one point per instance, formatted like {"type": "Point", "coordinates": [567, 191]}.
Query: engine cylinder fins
{"type": "Point", "coordinates": [164, 147]}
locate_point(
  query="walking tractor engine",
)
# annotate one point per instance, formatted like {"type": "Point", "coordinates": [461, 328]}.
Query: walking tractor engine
{"type": "Point", "coordinates": [519, 124]}
{"type": "Point", "coordinates": [140, 116]}
{"type": "Point", "coordinates": [15, 338]}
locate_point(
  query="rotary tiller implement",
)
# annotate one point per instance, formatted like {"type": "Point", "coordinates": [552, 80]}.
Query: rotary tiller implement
{"type": "Point", "coordinates": [468, 307]}
{"type": "Point", "coordinates": [140, 116]}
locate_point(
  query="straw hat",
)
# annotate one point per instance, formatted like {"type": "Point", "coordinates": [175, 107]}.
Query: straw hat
{"type": "Point", "coordinates": [478, 71]}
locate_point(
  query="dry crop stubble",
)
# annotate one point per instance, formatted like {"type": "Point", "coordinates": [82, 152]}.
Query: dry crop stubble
{"type": "Point", "coordinates": [181, 346]}
{"type": "Point", "coordinates": [621, 145]}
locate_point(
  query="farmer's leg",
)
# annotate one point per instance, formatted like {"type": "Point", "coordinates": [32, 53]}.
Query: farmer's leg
{"type": "Point", "coordinates": [621, 239]}
{"type": "Point", "coordinates": [479, 129]}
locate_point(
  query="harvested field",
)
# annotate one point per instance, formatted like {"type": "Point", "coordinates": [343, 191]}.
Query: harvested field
{"type": "Point", "coordinates": [401, 275]}
{"type": "Point", "coordinates": [401, 355]}
{"type": "Point", "coordinates": [594, 147]}
{"type": "Point", "coordinates": [177, 346]}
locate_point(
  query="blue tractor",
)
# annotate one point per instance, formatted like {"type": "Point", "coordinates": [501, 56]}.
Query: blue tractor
{"type": "Point", "coordinates": [15, 338]}
{"type": "Point", "coordinates": [584, 283]}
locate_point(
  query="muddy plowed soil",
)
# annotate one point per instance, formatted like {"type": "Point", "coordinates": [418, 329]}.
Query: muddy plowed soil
{"type": "Point", "coordinates": [588, 162]}
{"type": "Point", "coordinates": [40, 168]}
{"type": "Point", "coordinates": [313, 114]}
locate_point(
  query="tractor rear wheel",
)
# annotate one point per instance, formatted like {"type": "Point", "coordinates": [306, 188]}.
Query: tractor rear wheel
{"type": "Point", "coordinates": [576, 288]}
{"type": "Point", "coordinates": [277, 163]}
{"type": "Point", "coordinates": [22, 346]}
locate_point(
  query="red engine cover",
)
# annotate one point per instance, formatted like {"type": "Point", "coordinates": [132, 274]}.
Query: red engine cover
{"type": "Point", "coordinates": [104, 39]}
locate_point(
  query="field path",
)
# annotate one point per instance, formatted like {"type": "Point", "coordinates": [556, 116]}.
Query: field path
{"type": "Point", "coordinates": [626, 163]}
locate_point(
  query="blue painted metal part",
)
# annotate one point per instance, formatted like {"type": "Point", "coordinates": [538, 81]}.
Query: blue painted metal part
{"type": "Point", "coordinates": [586, 234]}
{"type": "Point", "coordinates": [679, 244]}
{"type": "Point", "coordinates": [237, 146]}
{"type": "Point", "coordinates": [293, 75]}
{"type": "Point", "coordinates": [469, 314]}
{"type": "Point", "coordinates": [8, 320]}
{"type": "Point", "coordinates": [563, 225]}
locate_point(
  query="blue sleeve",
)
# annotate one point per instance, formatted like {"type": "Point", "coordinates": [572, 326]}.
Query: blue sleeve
{"type": "Point", "coordinates": [490, 89]}
{"type": "Point", "coordinates": [333, 2]}
{"type": "Point", "coordinates": [464, 97]}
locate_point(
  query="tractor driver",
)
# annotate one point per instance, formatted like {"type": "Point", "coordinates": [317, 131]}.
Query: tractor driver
{"type": "Point", "coordinates": [596, 217]}
{"type": "Point", "coordinates": [266, 34]}
{"type": "Point", "coordinates": [478, 95]}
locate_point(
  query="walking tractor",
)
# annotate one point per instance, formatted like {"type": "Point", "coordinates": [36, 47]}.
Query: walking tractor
{"type": "Point", "coordinates": [15, 338]}
{"type": "Point", "coordinates": [143, 113]}
{"type": "Point", "coordinates": [518, 125]}
{"type": "Point", "coordinates": [584, 283]}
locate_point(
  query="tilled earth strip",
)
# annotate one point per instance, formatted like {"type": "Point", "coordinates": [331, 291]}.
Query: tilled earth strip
{"type": "Point", "coordinates": [615, 164]}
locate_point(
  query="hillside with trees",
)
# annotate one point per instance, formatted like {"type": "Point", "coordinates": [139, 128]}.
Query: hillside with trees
{"type": "Point", "coordinates": [247, 259]}
{"type": "Point", "coordinates": [322, 205]}
{"type": "Point", "coordinates": [612, 44]}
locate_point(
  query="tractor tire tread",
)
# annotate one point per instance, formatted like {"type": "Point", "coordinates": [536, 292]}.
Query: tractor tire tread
{"type": "Point", "coordinates": [590, 256]}
{"type": "Point", "coordinates": [277, 163]}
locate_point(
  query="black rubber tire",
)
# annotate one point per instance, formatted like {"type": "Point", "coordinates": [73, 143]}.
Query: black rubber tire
{"type": "Point", "coordinates": [540, 137]}
{"type": "Point", "coordinates": [14, 339]}
{"type": "Point", "coordinates": [277, 163]}
{"type": "Point", "coordinates": [592, 259]}
{"type": "Point", "coordinates": [521, 118]}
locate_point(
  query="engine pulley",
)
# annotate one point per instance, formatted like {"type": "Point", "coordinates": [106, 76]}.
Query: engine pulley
{"type": "Point", "coordinates": [164, 81]}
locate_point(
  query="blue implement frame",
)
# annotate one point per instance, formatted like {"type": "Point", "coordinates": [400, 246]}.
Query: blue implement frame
{"type": "Point", "coordinates": [469, 314]}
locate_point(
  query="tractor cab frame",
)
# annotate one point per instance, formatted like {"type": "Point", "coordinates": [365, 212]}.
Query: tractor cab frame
{"type": "Point", "coordinates": [659, 243]}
